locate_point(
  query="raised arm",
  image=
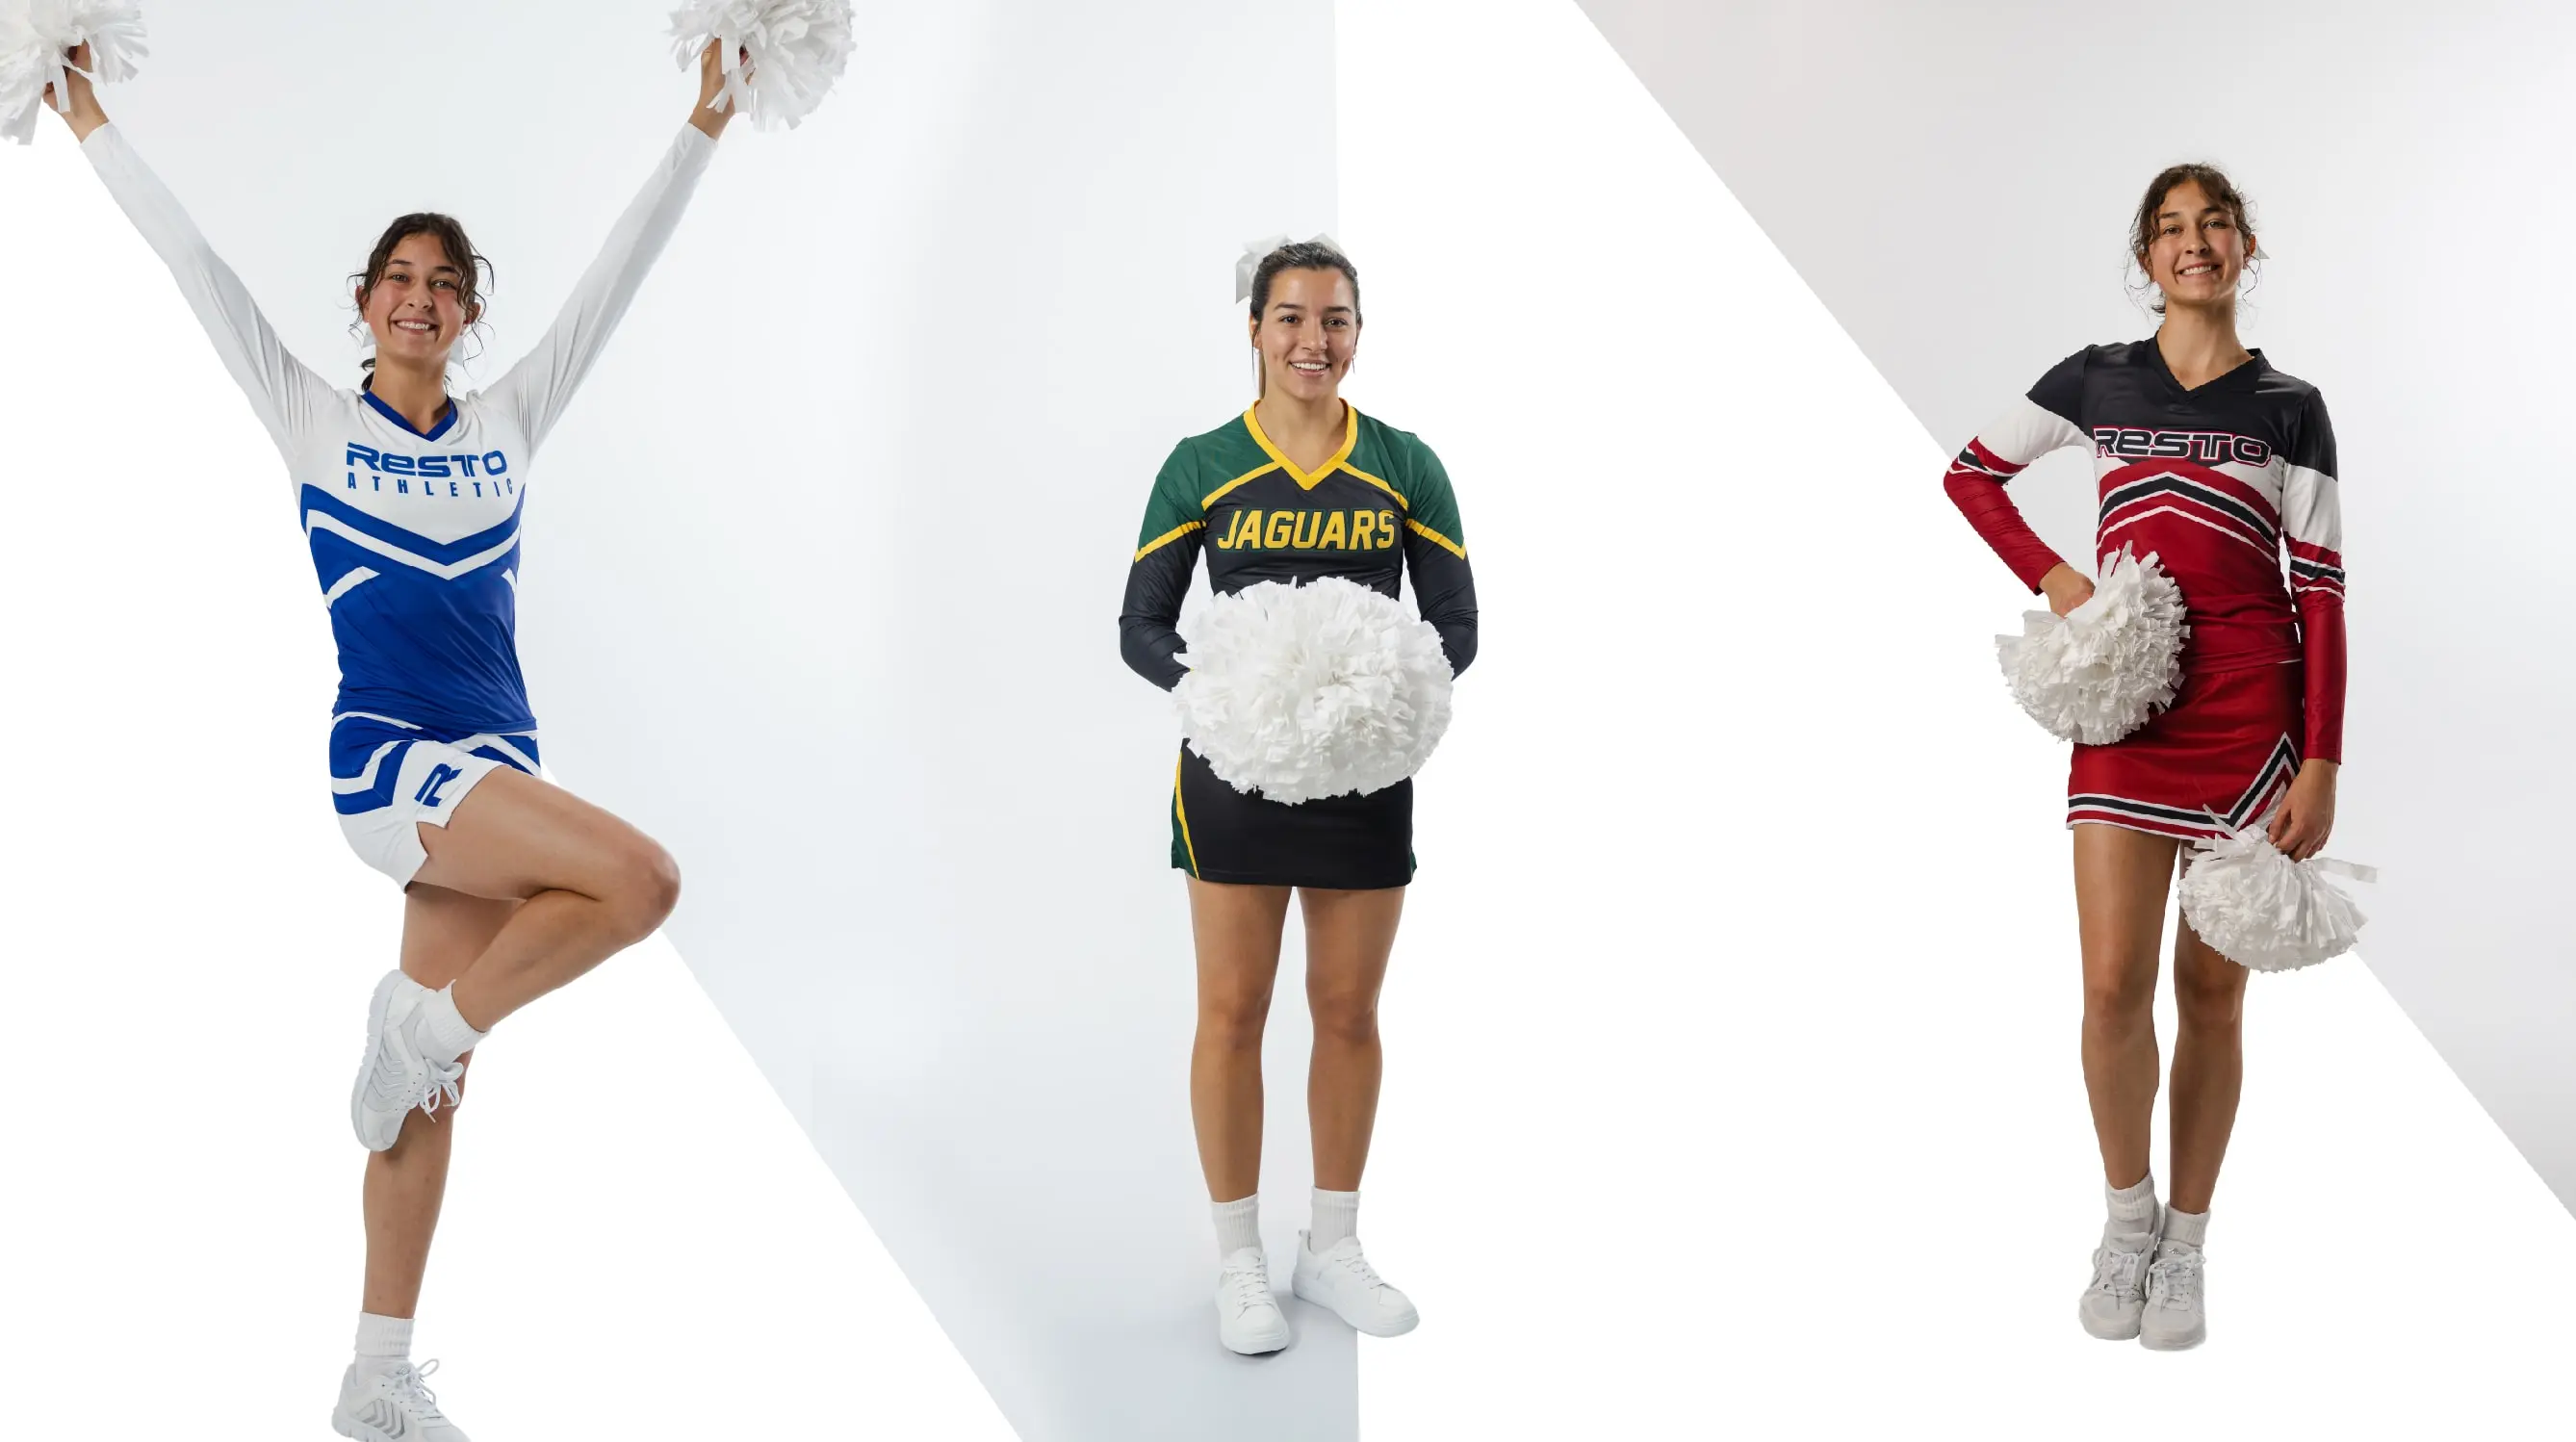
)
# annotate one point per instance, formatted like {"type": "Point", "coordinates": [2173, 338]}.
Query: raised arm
{"type": "Point", "coordinates": [1435, 551]}
{"type": "Point", "coordinates": [282, 391]}
{"type": "Point", "coordinates": [537, 389]}
{"type": "Point", "coordinates": [1167, 551]}
{"type": "Point", "coordinates": [2312, 520]}
{"type": "Point", "coordinates": [2038, 423]}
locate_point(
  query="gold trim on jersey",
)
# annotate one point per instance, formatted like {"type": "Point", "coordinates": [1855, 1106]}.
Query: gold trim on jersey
{"type": "Point", "coordinates": [1182, 815]}
{"type": "Point", "coordinates": [1381, 485]}
{"type": "Point", "coordinates": [1437, 539]}
{"type": "Point", "coordinates": [1256, 473]}
{"type": "Point", "coordinates": [1304, 480]}
{"type": "Point", "coordinates": [1165, 539]}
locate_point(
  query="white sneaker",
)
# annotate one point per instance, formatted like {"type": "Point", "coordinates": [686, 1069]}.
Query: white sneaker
{"type": "Point", "coordinates": [1248, 1319]}
{"type": "Point", "coordinates": [2173, 1319]}
{"type": "Point", "coordinates": [2109, 1307]}
{"type": "Point", "coordinates": [391, 1406]}
{"type": "Point", "coordinates": [1340, 1279]}
{"type": "Point", "coordinates": [395, 1077]}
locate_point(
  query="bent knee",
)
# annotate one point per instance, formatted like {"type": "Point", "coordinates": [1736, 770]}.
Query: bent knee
{"type": "Point", "coordinates": [648, 887]}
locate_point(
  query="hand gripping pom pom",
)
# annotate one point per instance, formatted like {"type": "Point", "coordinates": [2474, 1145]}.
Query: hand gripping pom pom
{"type": "Point", "coordinates": [1300, 692]}
{"type": "Point", "coordinates": [798, 48]}
{"type": "Point", "coordinates": [2096, 674]}
{"type": "Point", "coordinates": [37, 38]}
{"type": "Point", "coordinates": [2263, 911]}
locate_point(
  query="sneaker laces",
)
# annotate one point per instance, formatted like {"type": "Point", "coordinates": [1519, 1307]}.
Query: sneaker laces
{"type": "Point", "coordinates": [1247, 1288]}
{"type": "Point", "coordinates": [446, 1079]}
{"type": "Point", "coordinates": [407, 1389]}
{"type": "Point", "coordinates": [2174, 1279]}
{"type": "Point", "coordinates": [1356, 1263]}
{"type": "Point", "coordinates": [2117, 1272]}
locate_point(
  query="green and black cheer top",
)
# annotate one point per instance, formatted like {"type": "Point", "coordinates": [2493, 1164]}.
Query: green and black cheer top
{"type": "Point", "coordinates": [1379, 506]}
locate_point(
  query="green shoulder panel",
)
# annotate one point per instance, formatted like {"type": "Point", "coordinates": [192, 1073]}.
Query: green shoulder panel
{"type": "Point", "coordinates": [1173, 511]}
{"type": "Point", "coordinates": [1417, 472]}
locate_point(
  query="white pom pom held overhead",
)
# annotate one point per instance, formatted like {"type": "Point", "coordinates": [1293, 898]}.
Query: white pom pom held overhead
{"type": "Point", "coordinates": [2263, 911]}
{"type": "Point", "coordinates": [797, 48]}
{"type": "Point", "coordinates": [37, 38]}
{"type": "Point", "coordinates": [1302, 692]}
{"type": "Point", "coordinates": [2099, 672]}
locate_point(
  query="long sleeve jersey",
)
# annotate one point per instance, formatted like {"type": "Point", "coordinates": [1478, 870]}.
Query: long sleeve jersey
{"type": "Point", "coordinates": [2215, 480]}
{"type": "Point", "coordinates": [1380, 504]}
{"type": "Point", "coordinates": [414, 535]}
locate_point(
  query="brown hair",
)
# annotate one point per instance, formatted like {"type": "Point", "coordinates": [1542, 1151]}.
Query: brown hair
{"type": "Point", "coordinates": [2213, 183]}
{"type": "Point", "coordinates": [477, 271]}
{"type": "Point", "coordinates": [1303, 255]}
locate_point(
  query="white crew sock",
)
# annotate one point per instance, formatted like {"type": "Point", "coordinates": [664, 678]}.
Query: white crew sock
{"type": "Point", "coordinates": [1337, 1215]}
{"type": "Point", "coordinates": [1238, 1225]}
{"type": "Point", "coordinates": [382, 1342]}
{"type": "Point", "coordinates": [444, 1036]}
{"type": "Point", "coordinates": [2189, 1229]}
{"type": "Point", "coordinates": [2133, 1214]}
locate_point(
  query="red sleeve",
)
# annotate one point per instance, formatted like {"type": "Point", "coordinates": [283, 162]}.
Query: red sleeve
{"type": "Point", "coordinates": [2316, 574]}
{"type": "Point", "coordinates": [1976, 487]}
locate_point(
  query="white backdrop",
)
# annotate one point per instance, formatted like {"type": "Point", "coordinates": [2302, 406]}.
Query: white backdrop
{"type": "Point", "coordinates": [1678, 1135]}
{"type": "Point", "coordinates": [1731, 1074]}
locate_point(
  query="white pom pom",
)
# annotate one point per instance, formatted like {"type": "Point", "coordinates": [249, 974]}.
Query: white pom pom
{"type": "Point", "coordinates": [798, 48]}
{"type": "Point", "coordinates": [36, 41]}
{"type": "Point", "coordinates": [1300, 692]}
{"type": "Point", "coordinates": [2098, 673]}
{"type": "Point", "coordinates": [2263, 911]}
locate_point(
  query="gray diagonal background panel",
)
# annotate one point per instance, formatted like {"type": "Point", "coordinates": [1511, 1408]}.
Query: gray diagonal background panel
{"type": "Point", "coordinates": [1954, 181]}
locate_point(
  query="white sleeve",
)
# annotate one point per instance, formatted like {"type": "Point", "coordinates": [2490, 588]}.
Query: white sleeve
{"type": "Point", "coordinates": [537, 389]}
{"type": "Point", "coordinates": [282, 390]}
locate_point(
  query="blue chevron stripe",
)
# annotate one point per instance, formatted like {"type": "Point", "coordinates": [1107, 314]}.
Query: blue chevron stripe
{"type": "Point", "coordinates": [445, 553]}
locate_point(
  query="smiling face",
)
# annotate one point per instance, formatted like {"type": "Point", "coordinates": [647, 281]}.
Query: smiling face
{"type": "Point", "coordinates": [1308, 333]}
{"type": "Point", "coordinates": [419, 305]}
{"type": "Point", "coordinates": [2195, 247]}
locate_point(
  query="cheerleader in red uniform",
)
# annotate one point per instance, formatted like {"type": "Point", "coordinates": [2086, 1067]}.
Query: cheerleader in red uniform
{"type": "Point", "coordinates": [2208, 457]}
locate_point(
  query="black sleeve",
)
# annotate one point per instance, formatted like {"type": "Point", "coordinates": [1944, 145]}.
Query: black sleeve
{"type": "Point", "coordinates": [1446, 590]}
{"type": "Point", "coordinates": [1167, 550]}
{"type": "Point", "coordinates": [1147, 637]}
{"type": "Point", "coordinates": [1435, 550]}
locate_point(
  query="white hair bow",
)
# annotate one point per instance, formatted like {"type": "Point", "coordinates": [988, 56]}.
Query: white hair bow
{"type": "Point", "coordinates": [1254, 252]}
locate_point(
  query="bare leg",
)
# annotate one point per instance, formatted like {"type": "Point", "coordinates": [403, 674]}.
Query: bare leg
{"type": "Point", "coordinates": [591, 887]}
{"type": "Point", "coordinates": [2208, 1066]}
{"type": "Point", "coordinates": [1349, 936]}
{"type": "Point", "coordinates": [2121, 880]}
{"type": "Point", "coordinates": [443, 931]}
{"type": "Point", "coordinates": [1236, 931]}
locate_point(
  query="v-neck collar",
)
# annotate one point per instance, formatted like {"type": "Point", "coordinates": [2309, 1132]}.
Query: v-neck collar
{"type": "Point", "coordinates": [1307, 480]}
{"type": "Point", "coordinates": [2250, 368]}
{"type": "Point", "coordinates": [445, 421]}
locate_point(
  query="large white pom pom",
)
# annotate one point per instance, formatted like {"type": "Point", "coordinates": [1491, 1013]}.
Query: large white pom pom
{"type": "Point", "coordinates": [2262, 910]}
{"type": "Point", "coordinates": [36, 40]}
{"type": "Point", "coordinates": [2098, 673]}
{"type": "Point", "coordinates": [1300, 692]}
{"type": "Point", "coordinates": [798, 48]}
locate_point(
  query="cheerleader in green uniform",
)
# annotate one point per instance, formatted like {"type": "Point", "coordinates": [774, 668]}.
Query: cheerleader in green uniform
{"type": "Point", "coordinates": [1298, 487]}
